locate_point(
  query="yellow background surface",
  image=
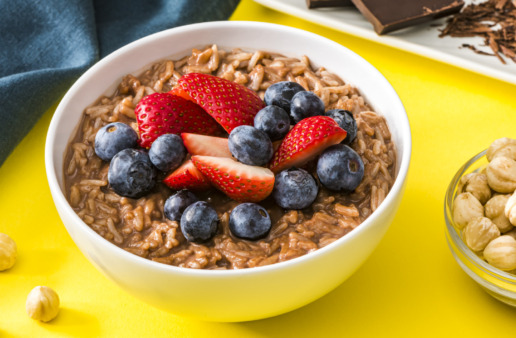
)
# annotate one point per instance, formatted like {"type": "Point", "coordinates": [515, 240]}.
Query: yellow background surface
{"type": "Point", "coordinates": [410, 287]}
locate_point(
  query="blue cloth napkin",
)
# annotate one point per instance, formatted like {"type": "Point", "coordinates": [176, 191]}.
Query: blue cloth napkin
{"type": "Point", "coordinates": [45, 45]}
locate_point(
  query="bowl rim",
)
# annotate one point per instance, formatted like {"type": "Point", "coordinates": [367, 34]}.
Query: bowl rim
{"type": "Point", "coordinates": [397, 188]}
{"type": "Point", "coordinates": [454, 234]}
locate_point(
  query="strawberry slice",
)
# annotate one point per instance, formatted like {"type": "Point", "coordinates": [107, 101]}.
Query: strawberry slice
{"type": "Point", "coordinates": [305, 141]}
{"type": "Point", "coordinates": [206, 145]}
{"type": "Point", "coordinates": [164, 113]}
{"type": "Point", "coordinates": [187, 177]}
{"type": "Point", "coordinates": [241, 182]}
{"type": "Point", "coordinates": [229, 103]}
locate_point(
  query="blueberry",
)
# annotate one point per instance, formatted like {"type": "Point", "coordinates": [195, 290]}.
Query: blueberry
{"type": "Point", "coordinates": [305, 104]}
{"type": "Point", "coordinates": [294, 189]}
{"type": "Point", "coordinates": [112, 138]}
{"type": "Point", "coordinates": [250, 145]}
{"type": "Point", "coordinates": [131, 173]}
{"type": "Point", "coordinates": [249, 221]}
{"type": "Point", "coordinates": [281, 93]}
{"type": "Point", "coordinates": [346, 121]}
{"type": "Point", "coordinates": [167, 152]}
{"type": "Point", "coordinates": [176, 204]}
{"type": "Point", "coordinates": [340, 168]}
{"type": "Point", "coordinates": [199, 222]}
{"type": "Point", "coordinates": [273, 121]}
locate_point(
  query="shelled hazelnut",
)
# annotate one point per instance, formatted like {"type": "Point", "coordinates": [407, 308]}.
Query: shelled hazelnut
{"type": "Point", "coordinates": [42, 304]}
{"type": "Point", "coordinates": [495, 210]}
{"type": "Point", "coordinates": [501, 253]}
{"type": "Point", "coordinates": [479, 232]}
{"type": "Point", "coordinates": [7, 252]}
{"type": "Point", "coordinates": [466, 208]}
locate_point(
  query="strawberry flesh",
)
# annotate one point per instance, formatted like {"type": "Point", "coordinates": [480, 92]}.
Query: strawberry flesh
{"type": "Point", "coordinates": [229, 103]}
{"type": "Point", "coordinates": [206, 145]}
{"type": "Point", "coordinates": [187, 177]}
{"type": "Point", "coordinates": [305, 141]}
{"type": "Point", "coordinates": [164, 113]}
{"type": "Point", "coordinates": [241, 182]}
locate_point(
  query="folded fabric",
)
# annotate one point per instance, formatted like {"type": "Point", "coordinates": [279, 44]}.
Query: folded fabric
{"type": "Point", "coordinates": [45, 45]}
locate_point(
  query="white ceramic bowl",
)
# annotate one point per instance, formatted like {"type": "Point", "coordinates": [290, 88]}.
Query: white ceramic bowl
{"type": "Point", "coordinates": [236, 295]}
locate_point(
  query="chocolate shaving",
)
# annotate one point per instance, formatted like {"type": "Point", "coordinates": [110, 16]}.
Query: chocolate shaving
{"type": "Point", "coordinates": [494, 20]}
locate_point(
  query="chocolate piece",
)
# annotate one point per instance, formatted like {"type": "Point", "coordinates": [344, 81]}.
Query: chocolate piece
{"type": "Point", "coordinates": [494, 20]}
{"type": "Point", "coordinates": [328, 3]}
{"type": "Point", "coordinates": [387, 16]}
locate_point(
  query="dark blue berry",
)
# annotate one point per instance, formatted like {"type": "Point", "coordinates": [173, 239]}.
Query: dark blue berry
{"type": "Point", "coordinates": [273, 121]}
{"type": "Point", "coordinates": [346, 121]}
{"type": "Point", "coordinates": [305, 104]}
{"type": "Point", "coordinates": [249, 221]}
{"type": "Point", "coordinates": [176, 204]}
{"type": "Point", "coordinates": [167, 152]}
{"type": "Point", "coordinates": [199, 222]}
{"type": "Point", "coordinates": [131, 173]}
{"type": "Point", "coordinates": [250, 145]}
{"type": "Point", "coordinates": [294, 189]}
{"type": "Point", "coordinates": [340, 168]}
{"type": "Point", "coordinates": [112, 138]}
{"type": "Point", "coordinates": [280, 94]}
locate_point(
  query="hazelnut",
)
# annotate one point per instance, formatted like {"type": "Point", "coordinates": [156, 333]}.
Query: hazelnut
{"type": "Point", "coordinates": [501, 253]}
{"type": "Point", "coordinates": [42, 304]}
{"type": "Point", "coordinates": [510, 209]}
{"type": "Point", "coordinates": [476, 183]}
{"type": "Point", "coordinates": [479, 232]}
{"type": "Point", "coordinates": [502, 147]}
{"type": "Point", "coordinates": [466, 208]}
{"type": "Point", "coordinates": [501, 174]}
{"type": "Point", "coordinates": [7, 252]}
{"type": "Point", "coordinates": [495, 210]}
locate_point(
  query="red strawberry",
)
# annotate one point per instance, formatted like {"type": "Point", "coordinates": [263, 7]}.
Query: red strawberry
{"type": "Point", "coordinates": [206, 145]}
{"type": "Point", "coordinates": [241, 182]}
{"type": "Point", "coordinates": [164, 113]}
{"type": "Point", "coordinates": [187, 177]}
{"type": "Point", "coordinates": [305, 141]}
{"type": "Point", "coordinates": [230, 103]}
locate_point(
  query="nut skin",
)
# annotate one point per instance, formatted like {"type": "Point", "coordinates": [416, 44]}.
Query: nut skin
{"type": "Point", "coordinates": [501, 253]}
{"type": "Point", "coordinates": [465, 209]}
{"type": "Point", "coordinates": [495, 210]}
{"type": "Point", "coordinates": [510, 209]}
{"type": "Point", "coordinates": [42, 304]}
{"type": "Point", "coordinates": [476, 183]}
{"type": "Point", "coordinates": [479, 232]}
{"type": "Point", "coordinates": [7, 252]}
{"type": "Point", "coordinates": [501, 174]}
{"type": "Point", "coordinates": [502, 147]}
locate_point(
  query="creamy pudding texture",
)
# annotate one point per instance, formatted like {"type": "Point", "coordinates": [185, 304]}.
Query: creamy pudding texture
{"type": "Point", "coordinates": [139, 225]}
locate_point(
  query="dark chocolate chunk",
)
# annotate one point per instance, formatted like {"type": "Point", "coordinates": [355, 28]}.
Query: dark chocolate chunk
{"type": "Point", "coordinates": [328, 3]}
{"type": "Point", "coordinates": [387, 16]}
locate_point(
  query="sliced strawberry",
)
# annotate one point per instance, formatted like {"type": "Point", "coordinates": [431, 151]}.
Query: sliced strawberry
{"type": "Point", "coordinates": [239, 181]}
{"type": "Point", "coordinates": [187, 177]}
{"type": "Point", "coordinates": [164, 113]}
{"type": "Point", "coordinates": [230, 103]}
{"type": "Point", "coordinates": [206, 145]}
{"type": "Point", "coordinates": [305, 141]}
{"type": "Point", "coordinates": [178, 91]}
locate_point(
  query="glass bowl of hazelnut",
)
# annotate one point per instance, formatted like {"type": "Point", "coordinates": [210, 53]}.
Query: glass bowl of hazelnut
{"type": "Point", "coordinates": [480, 215]}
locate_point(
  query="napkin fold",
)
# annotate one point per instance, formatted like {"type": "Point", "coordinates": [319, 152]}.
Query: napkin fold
{"type": "Point", "coordinates": [45, 45]}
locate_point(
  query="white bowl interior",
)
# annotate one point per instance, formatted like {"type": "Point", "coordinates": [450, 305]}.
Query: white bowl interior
{"type": "Point", "coordinates": [103, 77]}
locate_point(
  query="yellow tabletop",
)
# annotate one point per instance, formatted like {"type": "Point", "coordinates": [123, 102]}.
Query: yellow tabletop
{"type": "Point", "coordinates": [410, 287]}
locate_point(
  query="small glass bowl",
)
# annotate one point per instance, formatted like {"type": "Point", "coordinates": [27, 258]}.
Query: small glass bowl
{"type": "Point", "coordinates": [499, 284]}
